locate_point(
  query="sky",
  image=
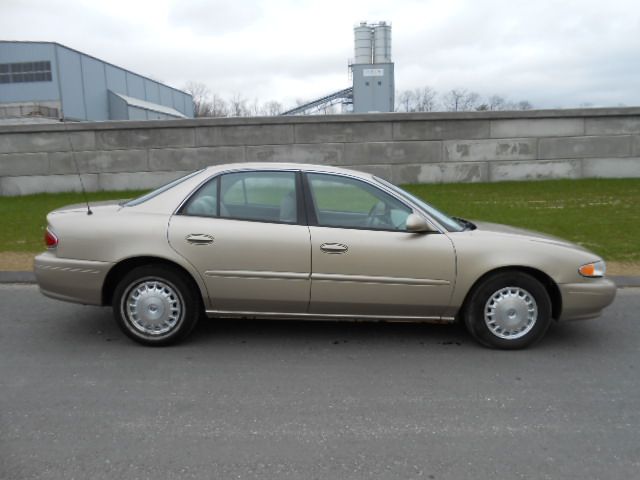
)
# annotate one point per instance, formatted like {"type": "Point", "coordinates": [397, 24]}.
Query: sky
{"type": "Point", "coordinates": [555, 54]}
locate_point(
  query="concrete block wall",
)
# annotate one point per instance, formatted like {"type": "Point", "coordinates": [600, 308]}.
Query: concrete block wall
{"type": "Point", "coordinates": [404, 148]}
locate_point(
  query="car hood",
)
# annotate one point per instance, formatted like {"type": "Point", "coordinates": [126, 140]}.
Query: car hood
{"type": "Point", "coordinates": [525, 234]}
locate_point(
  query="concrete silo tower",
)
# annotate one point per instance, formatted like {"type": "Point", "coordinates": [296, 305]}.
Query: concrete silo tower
{"type": "Point", "coordinates": [372, 69]}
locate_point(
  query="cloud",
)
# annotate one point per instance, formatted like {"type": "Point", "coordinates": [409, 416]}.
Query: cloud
{"type": "Point", "coordinates": [551, 53]}
{"type": "Point", "coordinates": [214, 17]}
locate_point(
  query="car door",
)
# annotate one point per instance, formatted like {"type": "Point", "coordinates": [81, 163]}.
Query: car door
{"type": "Point", "coordinates": [364, 262]}
{"type": "Point", "coordinates": [244, 232]}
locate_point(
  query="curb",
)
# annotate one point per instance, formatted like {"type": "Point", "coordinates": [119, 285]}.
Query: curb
{"type": "Point", "coordinates": [17, 277]}
{"type": "Point", "coordinates": [30, 277]}
{"type": "Point", "coordinates": [625, 281]}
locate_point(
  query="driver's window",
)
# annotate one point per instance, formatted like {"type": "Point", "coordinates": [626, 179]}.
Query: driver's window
{"type": "Point", "coordinates": [349, 203]}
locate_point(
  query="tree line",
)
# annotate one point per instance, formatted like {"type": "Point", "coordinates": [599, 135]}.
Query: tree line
{"type": "Point", "coordinates": [207, 104]}
{"type": "Point", "coordinates": [425, 99]}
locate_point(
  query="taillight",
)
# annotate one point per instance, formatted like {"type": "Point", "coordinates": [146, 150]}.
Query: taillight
{"type": "Point", "coordinates": [50, 239]}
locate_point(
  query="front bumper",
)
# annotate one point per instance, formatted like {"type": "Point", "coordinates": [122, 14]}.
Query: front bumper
{"type": "Point", "coordinates": [78, 281]}
{"type": "Point", "coordinates": [581, 301]}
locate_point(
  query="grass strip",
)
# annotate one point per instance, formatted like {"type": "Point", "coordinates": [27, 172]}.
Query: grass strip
{"type": "Point", "coordinates": [601, 214]}
{"type": "Point", "coordinates": [23, 219]}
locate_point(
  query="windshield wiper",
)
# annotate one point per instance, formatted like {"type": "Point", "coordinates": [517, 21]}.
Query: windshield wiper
{"type": "Point", "coordinates": [466, 223]}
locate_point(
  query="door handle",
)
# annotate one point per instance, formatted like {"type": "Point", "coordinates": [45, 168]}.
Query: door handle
{"type": "Point", "coordinates": [199, 239]}
{"type": "Point", "coordinates": [333, 248]}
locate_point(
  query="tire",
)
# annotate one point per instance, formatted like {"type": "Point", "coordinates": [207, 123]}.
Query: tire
{"type": "Point", "coordinates": [156, 305]}
{"type": "Point", "coordinates": [508, 310]}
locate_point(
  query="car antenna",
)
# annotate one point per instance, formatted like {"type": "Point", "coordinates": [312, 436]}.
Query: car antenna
{"type": "Point", "coordinates": [75, 162]}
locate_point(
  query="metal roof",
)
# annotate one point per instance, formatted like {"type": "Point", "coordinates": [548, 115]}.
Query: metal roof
{"type": "Point", "coordinates": [98, 59]}
{"type": "Point", "coordinates": [145, 105]}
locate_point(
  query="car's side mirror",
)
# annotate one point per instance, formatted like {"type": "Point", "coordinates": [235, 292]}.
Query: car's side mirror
{"type": "Point", "coordinates": [417, 224]}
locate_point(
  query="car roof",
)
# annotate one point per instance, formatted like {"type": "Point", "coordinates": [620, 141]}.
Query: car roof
{"type": "Point", "coordinates": [307, 167]}
{"type": "Point", "coordinates": [166, 201]}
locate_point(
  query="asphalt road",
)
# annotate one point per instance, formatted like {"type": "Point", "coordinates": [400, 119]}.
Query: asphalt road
{"type": "Point", "coordinates": [294, 400]}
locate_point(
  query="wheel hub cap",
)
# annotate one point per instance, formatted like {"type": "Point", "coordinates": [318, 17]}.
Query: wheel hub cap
{"type": "Point", "coordinates": [153, 307]}
{"type": "Point", "coordinates": [510, 313]}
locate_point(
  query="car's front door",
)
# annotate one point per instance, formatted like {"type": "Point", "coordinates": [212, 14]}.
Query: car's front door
{"type": "Point", "coordinates": [244, 233]}
{"type": "Point", "coordinates": [364, 262]}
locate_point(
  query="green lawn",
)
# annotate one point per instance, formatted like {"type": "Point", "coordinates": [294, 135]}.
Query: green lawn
{"type": "Point", "coordinates": [602, 214]}
{"type": "Point", "coordinates": [23, 219]}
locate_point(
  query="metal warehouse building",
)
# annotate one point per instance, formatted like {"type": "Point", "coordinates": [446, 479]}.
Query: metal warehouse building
{"type": "Point", "coordinates": [47, 80]}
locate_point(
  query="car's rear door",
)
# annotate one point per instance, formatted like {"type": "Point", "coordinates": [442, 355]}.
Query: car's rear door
{"type": "Point", "coordinates": [364, 262]}
{"type": "Point", "coordinates": [245, 233]}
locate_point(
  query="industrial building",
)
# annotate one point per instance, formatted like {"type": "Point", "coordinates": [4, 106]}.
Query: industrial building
{"type": "Point", "coordinates": [46, 81]}
{"type": "Point", "coordinates": [371, 71]}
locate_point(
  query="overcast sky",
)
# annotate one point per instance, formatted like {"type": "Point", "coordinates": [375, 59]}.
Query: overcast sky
{"type": "Point", "coordinates": [560, 53]}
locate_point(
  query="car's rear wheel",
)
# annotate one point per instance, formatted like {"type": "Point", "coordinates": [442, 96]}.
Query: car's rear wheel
{"type": "Point", "coordinates": [154, 305]}
{"type": "Point", "coordinates": [508, 310]}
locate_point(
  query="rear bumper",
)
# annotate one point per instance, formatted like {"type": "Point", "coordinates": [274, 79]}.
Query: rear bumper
{"type": "Point", "coordinates": [581, 301]}
{"type": "Point", "coordinates": [78, 281]}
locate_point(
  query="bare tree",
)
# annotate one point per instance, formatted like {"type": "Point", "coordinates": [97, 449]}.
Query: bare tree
{"type": "Point", "coordinates": [425, 99]}
{"type": "Point", "coordinates": [328, 109]}
{"type": "Point", "coordinates": [219, 107]}
{"type": "Point", "coordinates": [524, 105]}
{"type": "Point", "coordinates": [300, 102]}
{"type": "Point", "coordinates": [404, 102]}
{"type": "Point", "coordinates": [460, 100]}
{"type": "Point", "coordinates": [470, 101]}
{"type": "Point", "coordinates": [272, 108]}
{"type": "Point", "coordinates": [238, 106]}
{"type": "Point", "coordinates": [453, 100]}
{"type": "Point", "coordinates": [417, 100]}
{"type": "Point", "coordinates": [201, 98]}
{"type": "Point", "coordinates": [254, 109]}
{"type": "Point", "coordinates": [497, 102]}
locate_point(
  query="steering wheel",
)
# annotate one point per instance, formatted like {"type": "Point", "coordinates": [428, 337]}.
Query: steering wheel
{"type": "Point", "coordinates": [377, 218]}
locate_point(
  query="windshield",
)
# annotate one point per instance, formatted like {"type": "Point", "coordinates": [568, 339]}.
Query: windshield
{"type": "Point", "coordinates": [159, 190]}
{"type": "Point", "coordinates": [446, 221]}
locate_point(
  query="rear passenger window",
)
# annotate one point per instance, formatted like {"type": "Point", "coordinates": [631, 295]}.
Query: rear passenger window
{"type": "Point", "coordinates": [262, 196]}
{"type": "Point", "coordinates": [205, 201]}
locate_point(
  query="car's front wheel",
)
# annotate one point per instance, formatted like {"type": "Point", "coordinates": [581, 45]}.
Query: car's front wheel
{"type": "Point", "coordinates": [508, 310]}
{"type": "Point", "coordinates": [154, 305]}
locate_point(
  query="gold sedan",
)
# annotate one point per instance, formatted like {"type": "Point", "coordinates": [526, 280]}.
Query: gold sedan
{"type": "Point", "coordinates": [309, 242]}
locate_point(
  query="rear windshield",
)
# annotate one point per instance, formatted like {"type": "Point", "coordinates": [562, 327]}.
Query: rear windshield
{"type": "Point", "coordinates": [159, 190]}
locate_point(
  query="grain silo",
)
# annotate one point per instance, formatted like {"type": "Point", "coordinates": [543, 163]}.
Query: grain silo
{"type": "Point", "coordinates": [372, 69]}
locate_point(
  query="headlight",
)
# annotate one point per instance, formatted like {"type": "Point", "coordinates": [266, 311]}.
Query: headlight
{"type": "Point", "coordinates": [595, 269]}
